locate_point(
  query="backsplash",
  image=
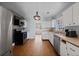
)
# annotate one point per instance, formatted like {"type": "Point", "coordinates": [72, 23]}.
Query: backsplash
{"type": "Point", "coordinates": [76, 28]}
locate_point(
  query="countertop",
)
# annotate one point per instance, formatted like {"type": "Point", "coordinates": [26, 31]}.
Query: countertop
{"type": "Point", "coordinates": [74, 41]}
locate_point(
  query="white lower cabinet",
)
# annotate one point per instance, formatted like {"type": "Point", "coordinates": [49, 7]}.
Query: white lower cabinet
{"type": "Point", "coordinates": [63, 48]}
{"type": "Point", "coordinates": [72, 50]}
{"type": "Point", "coordinates": [45, 35]}
{"type": "Point", "coordinates": [51, 37]}
{"type": "Point", "coordinates": [68, 49]}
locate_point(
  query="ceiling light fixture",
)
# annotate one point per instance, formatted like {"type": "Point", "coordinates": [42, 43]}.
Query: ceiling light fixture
{"type": "Point", "coordinates": [37, 17]}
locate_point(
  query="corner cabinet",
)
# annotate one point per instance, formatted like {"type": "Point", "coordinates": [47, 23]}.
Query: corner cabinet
{"type": "Point", "coordinates": [67, 17]}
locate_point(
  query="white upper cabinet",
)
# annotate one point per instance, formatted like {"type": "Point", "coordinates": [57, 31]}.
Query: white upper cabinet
{"type": "Point", "coordinates": [67, 17]}
{"type": "Point", "coordinates": [76, 14]}
{"type": "Point", "coordinates": [71, 15]}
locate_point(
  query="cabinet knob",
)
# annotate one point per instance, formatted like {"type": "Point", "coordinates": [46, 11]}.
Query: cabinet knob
{"type": "Point", "coordinates": [72, 49]}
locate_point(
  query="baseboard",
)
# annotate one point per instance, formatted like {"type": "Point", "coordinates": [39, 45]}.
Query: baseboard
{"type": "Point", "coordinates": [30, 38]}
{"type": "Point", "coordinates": [45, 39]}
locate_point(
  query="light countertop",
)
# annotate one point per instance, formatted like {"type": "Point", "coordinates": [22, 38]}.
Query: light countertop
{"type": "Point", "coordinates": [72, 40]}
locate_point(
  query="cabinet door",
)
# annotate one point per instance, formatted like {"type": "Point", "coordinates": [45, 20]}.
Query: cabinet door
{"type": "Point", "coordinates": [45, 35]}
{"type": "Point", "coordinates": [51, 37]}
{"type": "Point", "coordinates": [67, 17]}
{"type": "Point", "coordinates": [76, 14]}
{"type": "Point", "coordinates": [63, 48]}
{"type": "Point", "coordinates": [72, 50]}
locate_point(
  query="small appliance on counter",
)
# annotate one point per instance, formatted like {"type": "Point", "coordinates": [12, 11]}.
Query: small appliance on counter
{"type": "Point", "coordinates": [70, 33]}
{"type": "Point", "coordinates": [67, 32]}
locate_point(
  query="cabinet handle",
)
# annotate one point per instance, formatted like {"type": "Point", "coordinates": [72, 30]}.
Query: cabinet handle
{"type": "Point", "coordinates": [72, 49]}
{"type": "Point", "coordinates": [64, 41]}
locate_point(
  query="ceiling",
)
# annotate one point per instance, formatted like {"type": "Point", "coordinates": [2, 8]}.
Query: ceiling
{"type": "Point", "coordinates": [45, 9]}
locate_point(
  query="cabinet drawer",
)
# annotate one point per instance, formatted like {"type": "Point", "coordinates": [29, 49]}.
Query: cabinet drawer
{"type": "Point", "coordinates": [63, 49]}
{"type": "Point", "coordinates": [72, 49]}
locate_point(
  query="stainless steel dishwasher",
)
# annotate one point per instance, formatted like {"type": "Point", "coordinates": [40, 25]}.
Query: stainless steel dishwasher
{"type": "Point", "coordinates": [57, 43]}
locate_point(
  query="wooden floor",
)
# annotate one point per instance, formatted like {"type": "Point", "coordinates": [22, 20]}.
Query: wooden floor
{"type": "Point", "coordinates": [34, 48]}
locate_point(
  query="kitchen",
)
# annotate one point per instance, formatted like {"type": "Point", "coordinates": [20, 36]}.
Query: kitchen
{"type": "Point", "coordinates": [61, 30]}
{"type": "Point", "coordinates": [67, 35]}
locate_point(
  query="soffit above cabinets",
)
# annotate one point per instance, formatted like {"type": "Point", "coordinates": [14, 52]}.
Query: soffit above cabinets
{"type": "Point", "coordinates": [45, 9]}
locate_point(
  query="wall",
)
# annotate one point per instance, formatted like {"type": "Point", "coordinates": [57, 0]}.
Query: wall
{"type": "Point", "coordinates": [45, 24]}
{"type": "Point", "coordinates": [30, 28]}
